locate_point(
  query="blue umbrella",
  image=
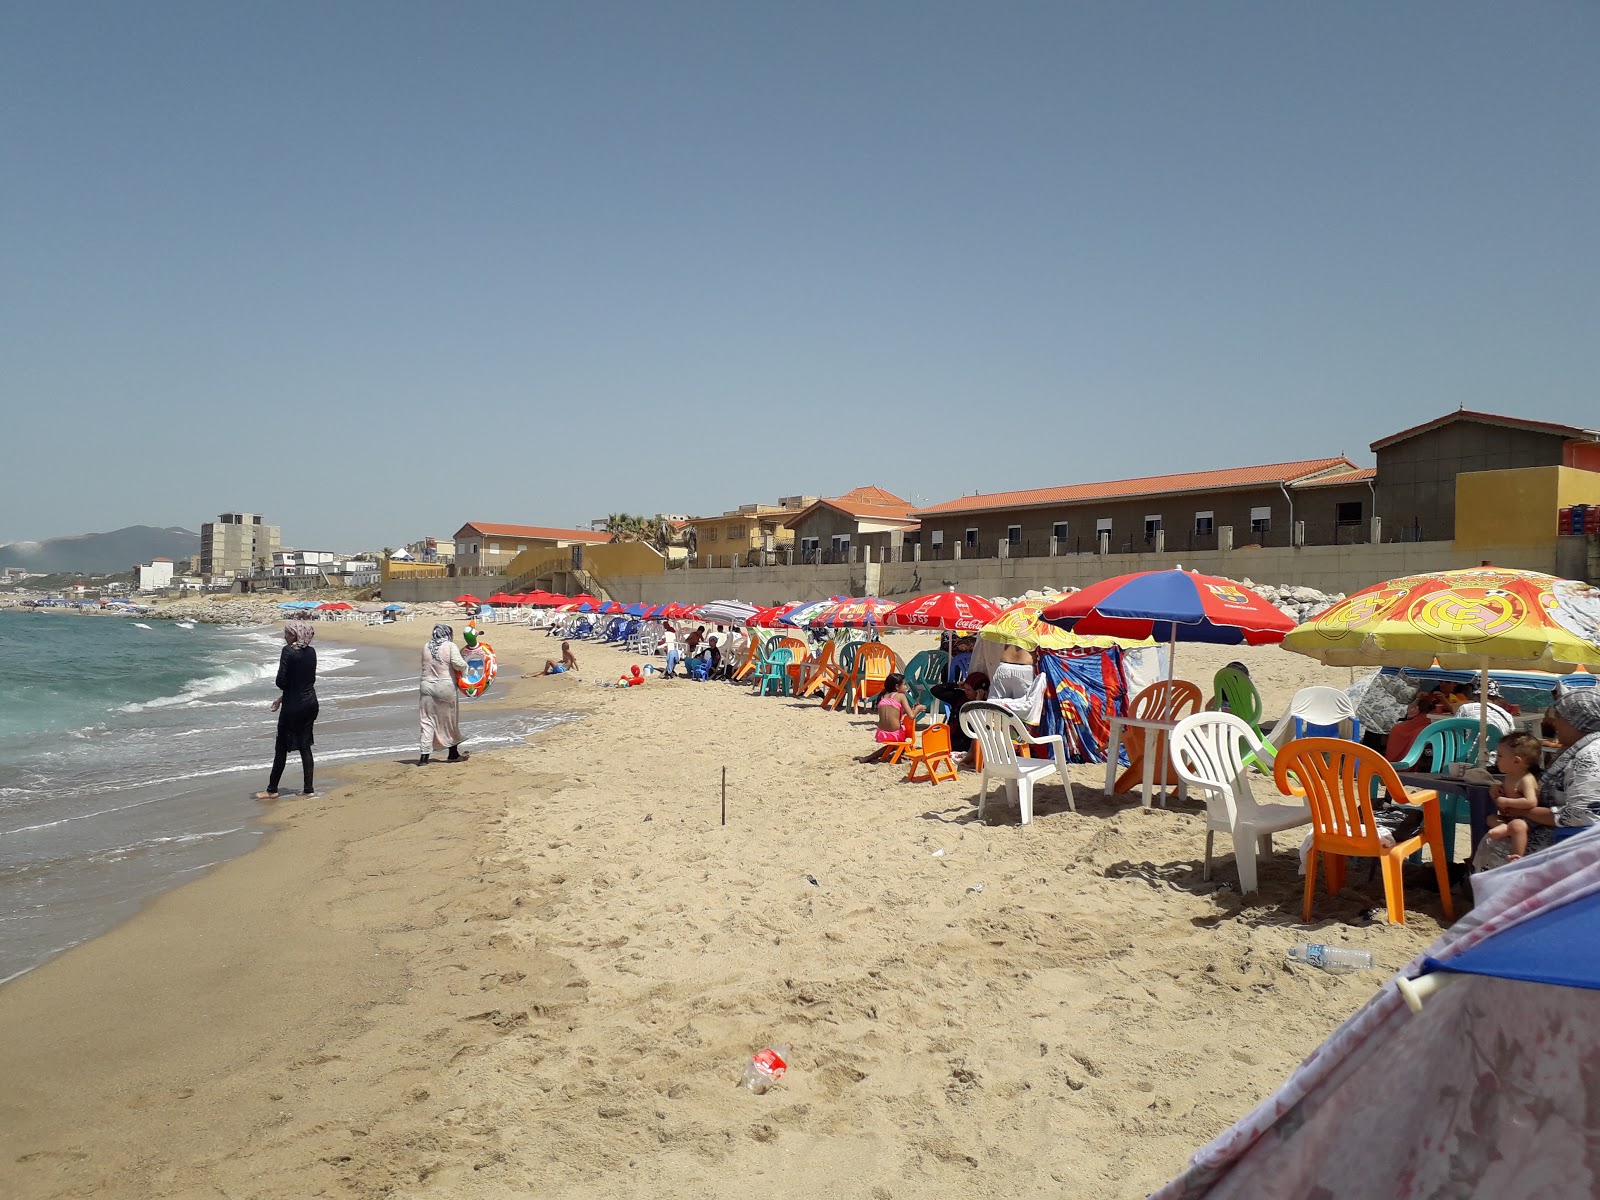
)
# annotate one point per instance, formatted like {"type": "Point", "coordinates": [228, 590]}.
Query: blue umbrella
{"type": "Point", "coordinates": [1561, 946]}
{"type": "Point", "coordinates": [394, 608]}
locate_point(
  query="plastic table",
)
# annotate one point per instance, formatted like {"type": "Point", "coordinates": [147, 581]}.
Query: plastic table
{"type": "Point", "coordinates": [1114, 749]}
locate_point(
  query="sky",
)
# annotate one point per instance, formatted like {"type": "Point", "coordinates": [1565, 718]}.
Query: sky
{"type": "Point", "coordinates": [379, 269]}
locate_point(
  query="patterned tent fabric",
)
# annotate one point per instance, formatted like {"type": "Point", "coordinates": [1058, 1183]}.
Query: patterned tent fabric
{"type": "Point", "coordinates": [1084, 690]}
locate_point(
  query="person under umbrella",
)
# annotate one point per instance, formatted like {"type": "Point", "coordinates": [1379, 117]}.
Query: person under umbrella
{"type": "Point", "coordinates": [442, 664]}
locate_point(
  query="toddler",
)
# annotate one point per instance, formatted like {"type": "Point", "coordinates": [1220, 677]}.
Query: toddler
{"type": "Point", "coordinates": [1517, 794]}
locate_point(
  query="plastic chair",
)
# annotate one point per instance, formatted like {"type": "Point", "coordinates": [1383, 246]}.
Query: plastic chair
{"type": "Point", "coordinates": [997, 731]}
{"type": "Point", "coordinates": [752, 659]}
{"type": "Point", "coordinates": [923, 671]}
{"type": "Point", "coordinates": [837, 688]}
{"type": "Point", "coordinates": [898, 750]}
{"type": "Point", "coordinates": [1164, 700]}
{"type": "Point", "coordinates": [816, 671]}
{"type": "Point", "coordinates": [875, 662]}
{"type": "Point", "coordinates": [1315, 711]}
{"type": "Point", "coordinates": [1453, 740]}
{"type": "Point", "coordinates": [775, 670]}
{"type": "Point", "coordinates": [1340, 778]}
{"type": "Point", "coordinates": [1233, 692]}
{"type": "Point", "coordinates": [933, 757]}
{"type": "Point", "coordinates": [1208, 750]}
{"type": "Point", "coordinates": [697, 668]}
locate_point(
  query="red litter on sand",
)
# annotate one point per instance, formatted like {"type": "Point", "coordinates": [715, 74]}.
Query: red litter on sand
{"type": "Point", "coordinates": [764, 1070]}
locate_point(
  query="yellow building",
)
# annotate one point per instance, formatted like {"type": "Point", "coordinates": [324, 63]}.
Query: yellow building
{"type": "Point", "coordinates": [486, 548]}
{"type": "Point", "coordinates": [750, 534]}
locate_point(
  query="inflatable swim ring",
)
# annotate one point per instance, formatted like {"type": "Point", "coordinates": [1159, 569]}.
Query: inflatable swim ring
{"type": "Point", "coordinates": [480, 672]}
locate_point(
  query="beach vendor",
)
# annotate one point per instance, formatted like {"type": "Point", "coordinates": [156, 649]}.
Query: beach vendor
{"type": "Point", "coordinates": [1569, 791]}
{"type": "Point", "coordinates": [441, 699]}
{"type": "Point", "coordinates": [297, 708]}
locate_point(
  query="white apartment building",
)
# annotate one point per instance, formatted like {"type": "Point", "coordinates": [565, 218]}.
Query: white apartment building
{"type": "Point", "coordinates": [154, 576]}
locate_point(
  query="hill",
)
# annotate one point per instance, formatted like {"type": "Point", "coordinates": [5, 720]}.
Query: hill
{"type": "Point", "coordinates": [102, 553]}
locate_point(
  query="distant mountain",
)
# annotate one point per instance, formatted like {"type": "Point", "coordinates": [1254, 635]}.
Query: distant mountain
{"type": "Point", "coordinates": [102, 553]}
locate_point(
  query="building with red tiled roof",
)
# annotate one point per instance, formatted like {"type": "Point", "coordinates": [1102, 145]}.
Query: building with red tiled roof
{"type": "Point", "coordinates": [1259, 503]}
{"type": "Point", "coordinates": [487, 547]}
{"type": "Point", "coordinates": [866, 516]}
{"type": "Point", "coordinates": [1417, 467]}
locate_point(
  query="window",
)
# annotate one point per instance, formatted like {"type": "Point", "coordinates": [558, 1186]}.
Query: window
{"type": "Point", "coordinates": [972, 537]}
{"type": "Point", "coordinates": [1152, 526]}
{"type": "Point", "coordinates": [494, 547]}
{"type": "Point", "coordinates": [734, 531]}
{"type": "Point", "coordinates": [1205, 523]}
{"type": "Point", "coordinates": [1103, 525]}
{"type": "Point", "coordinates": [1347, 513]}
{"type": "Point", "coordinates": [1013, 535]}
{"type": "Point", "coordinates": [841, 543]}
{"type": "Point", "coordinates": [1260, 520]}
{"type": "Point", "coordinates": [1059, 531]}
{"type": "Point", "coordinates": [936, 538]}
{"type": "Point", "coordinates": [711, 533]}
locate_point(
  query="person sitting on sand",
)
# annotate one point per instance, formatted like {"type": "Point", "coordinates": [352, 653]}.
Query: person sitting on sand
{"type": "Point", "coordinates": [894, 706]}
{"type": "Point", "coordinates": [714, 653]}
{"type": "Point", "coordinates": [569, 662]}
{"type": "Point", "coordinates": [1517, 794]}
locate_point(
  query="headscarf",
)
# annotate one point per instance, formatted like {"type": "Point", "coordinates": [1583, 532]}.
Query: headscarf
{"type": "Point", "coordinates": [1581, 710]}
{"type": "Point", "coordinates": [302, 632]}
{"type": "Point", "coordinates": [441, 633]}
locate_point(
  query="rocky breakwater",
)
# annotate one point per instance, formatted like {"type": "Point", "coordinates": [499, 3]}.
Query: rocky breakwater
{"type": "Point", "coordinates": [1293, 600]}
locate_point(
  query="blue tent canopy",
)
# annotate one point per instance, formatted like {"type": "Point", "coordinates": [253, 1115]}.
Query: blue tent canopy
{"type": "Point", "coordinates": [1561, 947]}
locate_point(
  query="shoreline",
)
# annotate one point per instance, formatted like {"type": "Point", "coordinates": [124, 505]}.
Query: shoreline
{"type": "Point", "coordinates": [540, 974]}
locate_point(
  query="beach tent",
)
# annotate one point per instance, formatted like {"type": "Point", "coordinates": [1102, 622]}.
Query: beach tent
{"type": "Point", "coordinates": [1484, 1090]}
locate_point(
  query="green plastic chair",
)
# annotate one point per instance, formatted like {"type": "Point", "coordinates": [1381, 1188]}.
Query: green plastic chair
{"type": "Point", "coordinates": [1453, 740]}
{"type": "Point", "coordinates": [923, 671]}
{"type": "Point", "coordinates": [775, 670]}
{"type": "Point", "coordinates": [1233, 692]}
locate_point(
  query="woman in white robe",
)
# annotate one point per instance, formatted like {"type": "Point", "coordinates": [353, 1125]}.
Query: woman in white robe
{"type": "Point", "coordinates": [441, 699]}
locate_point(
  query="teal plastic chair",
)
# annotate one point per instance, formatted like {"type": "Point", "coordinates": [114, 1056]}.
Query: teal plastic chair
{"type": "Point", "coordinates": [1453, 740]}
{"type": "Point", "coordinates": [775, 670]}
{"type": "Point", "coordinates": [1233, 692]}
{"type": "Point", "coordinates": [838, 695]}
{"type": "Point", "coordinates": [923, 671]}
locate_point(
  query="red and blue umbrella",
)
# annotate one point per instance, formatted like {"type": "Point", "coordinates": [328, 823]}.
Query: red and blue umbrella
{"type": "Point", "coordinates": [1171, 606]}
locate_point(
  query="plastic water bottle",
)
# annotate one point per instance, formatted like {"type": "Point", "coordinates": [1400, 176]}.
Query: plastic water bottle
{"type": "Point", "coordinates": [762, 1072]}
{"type": "Point", "coordinates": [1331, 958]}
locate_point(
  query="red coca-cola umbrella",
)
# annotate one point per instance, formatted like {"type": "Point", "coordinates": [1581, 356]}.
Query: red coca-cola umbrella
{"type": "Point", "coordinates": [944, 610]}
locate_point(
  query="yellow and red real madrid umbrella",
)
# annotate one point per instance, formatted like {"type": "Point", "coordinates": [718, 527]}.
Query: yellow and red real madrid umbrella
{"type": "Point", "coordinates": [1479, 619]}
{"type": "Point", "coordinates": [1476, 619]}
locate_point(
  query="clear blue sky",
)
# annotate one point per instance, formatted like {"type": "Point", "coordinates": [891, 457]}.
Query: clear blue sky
{"type": "Point", "coordinates": [376, 269]}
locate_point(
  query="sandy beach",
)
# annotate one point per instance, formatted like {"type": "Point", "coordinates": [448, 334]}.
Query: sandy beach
{"type": "Point", "coordinates": [540, 974]}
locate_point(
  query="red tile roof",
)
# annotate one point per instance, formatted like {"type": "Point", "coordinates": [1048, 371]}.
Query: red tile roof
{"type": "Point", "coordinates": [1364, 475]}
{"type": "Point", "coordinates": [1270, 474]}
{"type": "Point", "coordinates": [865, 504]}
{"type": "Point", "coordinates": [540, 532]}
{"type": "Point", "coordinates": [1466, 414]}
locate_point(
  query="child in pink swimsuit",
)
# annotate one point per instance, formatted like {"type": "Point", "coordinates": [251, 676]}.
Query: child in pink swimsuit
{"type": "Point", "coordinates": [893, 708]}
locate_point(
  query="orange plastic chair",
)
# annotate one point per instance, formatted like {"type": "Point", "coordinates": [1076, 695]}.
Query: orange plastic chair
{"type": "Point", "coordinates": [1164, 700]}
{"type": "Point", "coordinates": [816, 671]}
{"type": "Point", "coordinates": [752, 656]}
{"type": "Point", "coordinates": [1339, 778]}
{"type": "Point", "coordinates": [932, 756]}
{"type": "Point", "coordinates": [874, 663]}
{"type": "Point", "coordinates": [899, 750]}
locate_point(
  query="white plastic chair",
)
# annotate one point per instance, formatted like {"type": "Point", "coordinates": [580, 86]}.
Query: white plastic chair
{"type": "Point", "coordinates": [996, 729]}
{"type": "Point", "coordinates": [1317, 706]}
{"type": "Point", "coordinates": [1209, 752]}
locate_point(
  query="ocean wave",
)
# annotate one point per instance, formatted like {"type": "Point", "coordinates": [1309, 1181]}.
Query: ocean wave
{"type": "Point", "coordinates": [227, 680]}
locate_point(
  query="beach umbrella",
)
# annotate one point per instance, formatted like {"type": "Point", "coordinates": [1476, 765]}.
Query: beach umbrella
{"type": "Point", "coordinates": [1020, 625]}
{"type": "Point", "coordinates": [769, 618]}
{"type": "Point", "coordinates": [288, 604]}
{"type": "Point", "coordinates": [1171, 606]}
{"type": "Point", "coordinates": [466, 598]}
{"type": "Point", "coordinates": [728, 612]}
{"type": "Point", "coordinates": [1492, 1030]}
{"type": "Point", "coordinates": [944, 610]}
{"type": "Point", "coordinates": [502, 598]}
{"type": "Point", "coordinates": [635, 610]}
{"type": "Point", "coordinates": [394, 608]}
{"type": "Point", "coordinates": [333, 606]}
{"type": "Point", "coordinates": [1478, 619]}
{"type": "Point", "coordinates": [860, 613]}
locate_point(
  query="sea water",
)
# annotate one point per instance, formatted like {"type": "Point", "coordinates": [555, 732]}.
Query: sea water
{"type": "Point", "coordinates": [130, 753]}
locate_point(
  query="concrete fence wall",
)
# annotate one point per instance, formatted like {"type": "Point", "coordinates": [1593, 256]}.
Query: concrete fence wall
{"type": "Point", "coordinates": [1326, 568]}
{"type": "Point", "coordinates": [419, 591]}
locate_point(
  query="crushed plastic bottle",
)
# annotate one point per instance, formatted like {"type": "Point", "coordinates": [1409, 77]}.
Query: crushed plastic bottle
{"type": "Point", "coordinates": [765, 1068]}
{"type": "Point", "coordinates": [1331, 958]}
